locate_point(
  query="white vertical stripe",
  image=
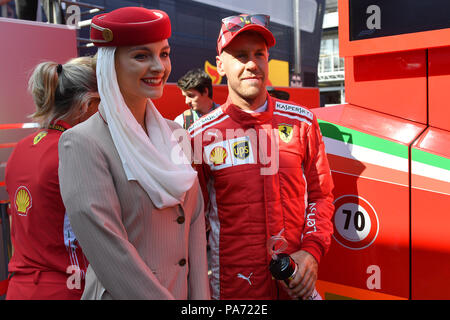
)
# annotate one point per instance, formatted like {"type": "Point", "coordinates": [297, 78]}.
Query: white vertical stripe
{"type": "Point", "coordinates": [214, 237]}
{"type": "Point", "coordinates": [426, 170]}
{"type": "Point", "coordinates": [305, 197]}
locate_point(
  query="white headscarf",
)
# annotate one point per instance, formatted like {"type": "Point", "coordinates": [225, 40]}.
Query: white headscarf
{"type": "Point", "coordinates": [146, 159]}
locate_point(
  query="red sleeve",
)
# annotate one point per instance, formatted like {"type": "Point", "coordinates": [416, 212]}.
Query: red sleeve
{"type": "Point", "coordinates": [318, 226]}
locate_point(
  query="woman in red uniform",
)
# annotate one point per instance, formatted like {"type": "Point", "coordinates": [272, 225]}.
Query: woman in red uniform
{"type": "Point", "coordinates": [47, 262]}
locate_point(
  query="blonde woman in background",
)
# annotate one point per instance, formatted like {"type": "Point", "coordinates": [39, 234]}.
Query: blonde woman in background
{"type": "Point", "coordinates": [47, 262]}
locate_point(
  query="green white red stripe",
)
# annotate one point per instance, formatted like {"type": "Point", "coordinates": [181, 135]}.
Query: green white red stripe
{"type": "Point", "coordinates": [383, 160]}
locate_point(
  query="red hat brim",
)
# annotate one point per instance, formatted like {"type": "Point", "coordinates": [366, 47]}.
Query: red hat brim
{"type": "Point", "coordinates": [263, 31]}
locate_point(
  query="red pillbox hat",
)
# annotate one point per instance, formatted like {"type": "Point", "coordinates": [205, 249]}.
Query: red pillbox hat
{"type": "Point", "coordinates": [130, 26]}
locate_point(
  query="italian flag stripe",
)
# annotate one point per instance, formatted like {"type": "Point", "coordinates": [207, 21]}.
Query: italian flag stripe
{"type": "Point", "coordinates": [350, 136]}
{"type": "Point", "coordinates": [430, 159]}
{"type": "Point", "coordinates": [360, 154]}
{"type": "Point", "coordinates": [366, 170]}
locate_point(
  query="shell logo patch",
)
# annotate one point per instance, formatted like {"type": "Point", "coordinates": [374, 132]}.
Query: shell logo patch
{"type": "Point", "coordinates": [218, 155]}
{"type": "Point", "coordinates": [23, 200]}
{"type": "Point", "coordinates": [285, 131]}
{"type": "Point", "coordinates": [39, 137]}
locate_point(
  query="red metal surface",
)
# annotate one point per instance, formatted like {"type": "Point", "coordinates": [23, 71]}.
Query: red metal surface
{"type": "Point", "coordinates": [397, 89]}
{"type": "Point", "coordinates": [438, 84]}
{"type": "Point", "coordinates": [371, 122]}
{"type": "Point", "coordinates": [381, 189]}
{"type": "Point", "coordinates": [435, 141]}
{"type": "Point", "coordinates": [385, 83]}
{"type": "Point", "coordinates": [430, 223]}
{"type": "Point", "coordinates": [389, 252]}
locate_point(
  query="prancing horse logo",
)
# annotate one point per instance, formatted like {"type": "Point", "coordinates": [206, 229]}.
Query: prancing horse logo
{"type": "Point", "coordinates": [285, 131]}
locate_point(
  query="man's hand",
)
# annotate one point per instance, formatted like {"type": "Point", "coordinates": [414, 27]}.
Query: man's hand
{"type": "Point", "coordinates": [303, 284]}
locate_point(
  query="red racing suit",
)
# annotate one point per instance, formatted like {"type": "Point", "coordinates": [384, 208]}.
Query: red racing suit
{"type": "Point", "coordinates": [261, 174]}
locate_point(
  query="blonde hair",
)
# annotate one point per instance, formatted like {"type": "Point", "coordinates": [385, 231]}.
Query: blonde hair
{"type": "Point", "coordinates": [62, 94]}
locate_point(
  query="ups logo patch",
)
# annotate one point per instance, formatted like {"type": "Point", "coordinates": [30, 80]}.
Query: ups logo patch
{"type": "Point", "coordinates": [241, 149]}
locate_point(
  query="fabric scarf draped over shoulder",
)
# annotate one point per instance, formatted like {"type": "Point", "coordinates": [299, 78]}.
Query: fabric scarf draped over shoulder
{"type": "Point", "coordinates": [148, 159]}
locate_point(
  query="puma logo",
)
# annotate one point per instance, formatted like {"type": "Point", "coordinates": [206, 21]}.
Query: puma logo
{"type": "Point", "coordinates": [240, 275]}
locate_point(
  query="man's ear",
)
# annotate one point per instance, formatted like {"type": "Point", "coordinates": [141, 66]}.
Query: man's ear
{"type": "Point", "coordinates": [219, 65]}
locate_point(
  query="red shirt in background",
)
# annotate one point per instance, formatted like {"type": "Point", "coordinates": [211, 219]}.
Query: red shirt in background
{"type": "Point", "coordinates": [46, 252]}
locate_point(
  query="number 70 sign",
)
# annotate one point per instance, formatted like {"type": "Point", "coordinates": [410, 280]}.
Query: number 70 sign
{"type": "Point", "coordinates": [356, 223]}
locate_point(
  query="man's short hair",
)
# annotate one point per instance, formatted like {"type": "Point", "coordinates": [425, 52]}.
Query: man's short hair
{"type": "Point", "coordinates": [196, 79]}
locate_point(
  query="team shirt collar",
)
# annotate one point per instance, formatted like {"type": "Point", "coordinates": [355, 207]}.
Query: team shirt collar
{"type": "Point", "coordinates": [249, 119]}
{"type": "Point", "coordinates": [59, 125]}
